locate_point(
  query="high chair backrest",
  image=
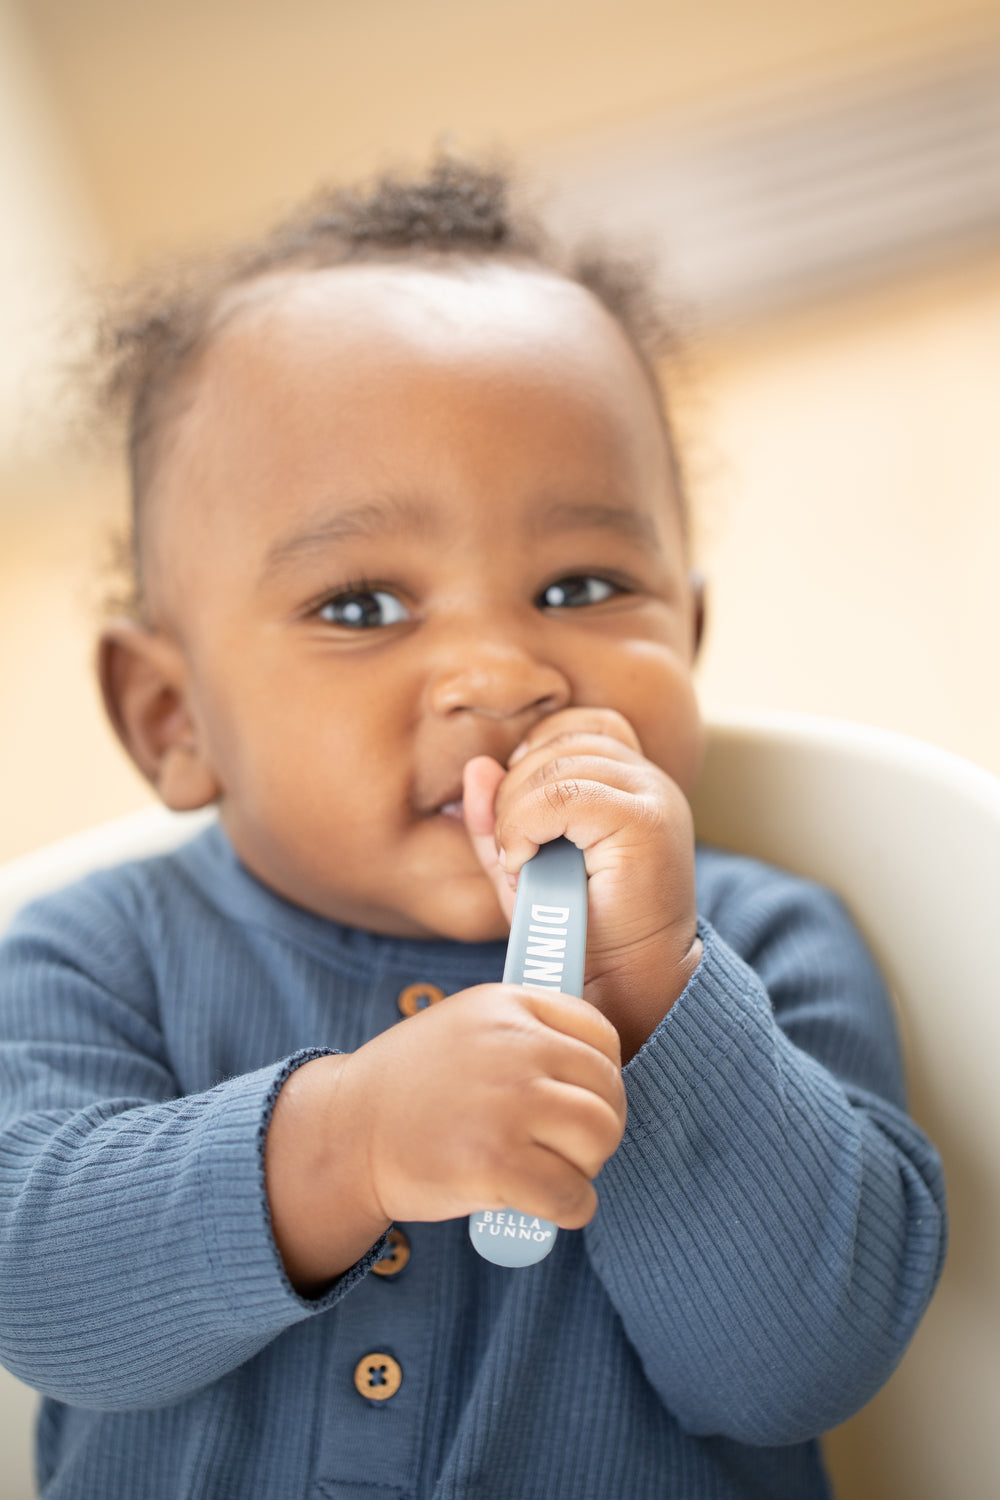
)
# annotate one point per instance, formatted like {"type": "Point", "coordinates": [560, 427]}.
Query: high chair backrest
{"type": "Point", "coordinates": [909, 836]}
{"type": "Point", "coordinates": [151, 830]}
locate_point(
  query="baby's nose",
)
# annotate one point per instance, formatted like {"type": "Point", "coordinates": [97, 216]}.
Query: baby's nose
{"type": "Point", "coordinates": [498, 682]}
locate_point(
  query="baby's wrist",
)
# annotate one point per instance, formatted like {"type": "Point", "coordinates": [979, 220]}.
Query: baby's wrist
{"type": "Point", "coordinates": [323, 1215]}
{"type": "Point", "coordinates": [637, 986]}
{"type": "Point", "coordinates": [352, 1108]}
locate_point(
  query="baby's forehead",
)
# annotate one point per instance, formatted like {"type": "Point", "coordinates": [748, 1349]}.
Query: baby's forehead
{"type": "Point", "coordinates": [320, 382]}
{"type": "Point", "coordinates": [371, 333]}
{"type": "Point", "coordinates": [315, 343]}
{"type": "Point", "coordinates": [452, 309]}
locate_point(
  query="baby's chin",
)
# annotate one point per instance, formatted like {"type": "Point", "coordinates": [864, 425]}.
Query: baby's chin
{"type": "Point", "coordinates": [465, 912]}
{"type": "Point", "coordinates": [462, 909]}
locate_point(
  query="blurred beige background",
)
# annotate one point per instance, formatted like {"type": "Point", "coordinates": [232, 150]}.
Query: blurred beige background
{"type": "Point", "coordinates": [822, 182]}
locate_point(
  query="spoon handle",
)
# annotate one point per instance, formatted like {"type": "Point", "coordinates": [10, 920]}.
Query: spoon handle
{"type": "Point", "coordinates": [545, 951]}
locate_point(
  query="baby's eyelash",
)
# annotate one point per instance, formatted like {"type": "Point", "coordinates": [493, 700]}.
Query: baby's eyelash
{"type": "Point", "coordinates": [574, 589]}
{"type": "Point", "coordinates": [361, 585]}
{"type": "Point", "coordinates": [571, 590]}
{"type": "Point", "coordinates": [361, 605]}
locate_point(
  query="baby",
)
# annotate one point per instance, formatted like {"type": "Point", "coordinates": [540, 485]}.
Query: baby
{"type": "Point", "coordinates": [413, 598]}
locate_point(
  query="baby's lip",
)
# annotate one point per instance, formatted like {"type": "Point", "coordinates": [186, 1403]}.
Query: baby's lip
{"type": "Point", "coordinates": [433, 795]}
{"type": "Point", "coordinates": [448, 802]}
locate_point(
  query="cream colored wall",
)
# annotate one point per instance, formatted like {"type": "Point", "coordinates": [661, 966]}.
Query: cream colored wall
{"type": "Point", "coordinates": [852, 522]}
{"type": "Point", "coordinates": [844, 461]}
{"type": "Point", "coordinates": [190, 116]}
{"type": "Point", "coordinates": [59, 768]}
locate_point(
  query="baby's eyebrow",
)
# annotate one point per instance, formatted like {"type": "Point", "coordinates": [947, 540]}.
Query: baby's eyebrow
{"type": "Point", "coordinates": [575, 515]}
{"type": "Point", "coordinates": [399, 515]}
{"type": "Point", "coordinates": [394, 514]}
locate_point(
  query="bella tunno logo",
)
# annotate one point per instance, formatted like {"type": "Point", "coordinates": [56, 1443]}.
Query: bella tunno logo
{"type": "Point", "coordinates": [545, 951]}
{"type": "Point", "coordinates": [511, 1225]}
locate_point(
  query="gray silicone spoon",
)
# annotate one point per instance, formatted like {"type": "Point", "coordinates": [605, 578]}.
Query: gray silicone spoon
{"type": "Point", "coordinates": [545, 951]}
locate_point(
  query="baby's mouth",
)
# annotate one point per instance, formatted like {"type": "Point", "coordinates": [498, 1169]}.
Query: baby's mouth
{"type": "Point", "coordinates": [443, 800]}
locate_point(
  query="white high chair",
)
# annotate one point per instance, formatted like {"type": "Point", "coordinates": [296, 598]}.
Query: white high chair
{"type": "Point", "coordinates": [910, 837]}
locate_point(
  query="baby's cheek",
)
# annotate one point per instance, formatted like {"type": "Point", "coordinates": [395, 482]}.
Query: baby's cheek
{"type": "Point", "coordinates": [672, 735]}
{"type": "Point", "coordinates": [687, 755]}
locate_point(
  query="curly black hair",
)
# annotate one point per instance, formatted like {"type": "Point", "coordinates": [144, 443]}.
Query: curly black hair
{"type": "Point", "coordinates": [152, 331]}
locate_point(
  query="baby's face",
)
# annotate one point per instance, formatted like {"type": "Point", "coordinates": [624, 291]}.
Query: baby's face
{"type": "Point", "coordinates": [406, 514]}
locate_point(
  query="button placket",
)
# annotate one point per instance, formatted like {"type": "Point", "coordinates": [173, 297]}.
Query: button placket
{"type": "Point", "coordinates": [399, 1317]}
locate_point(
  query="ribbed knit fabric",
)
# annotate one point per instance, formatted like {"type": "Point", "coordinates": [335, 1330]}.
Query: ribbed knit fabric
{"type": "Point", "coordinates": [769, 1231]}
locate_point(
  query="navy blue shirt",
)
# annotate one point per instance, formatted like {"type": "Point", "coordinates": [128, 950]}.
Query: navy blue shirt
{"type": "Point", "coordinates": [769, 1231]}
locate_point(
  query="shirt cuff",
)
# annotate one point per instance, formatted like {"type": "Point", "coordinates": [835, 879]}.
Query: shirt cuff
{"type": "Point", "coordinates": [723, 1008]}
{"type": "Point", "coordinates": [239, 1236]}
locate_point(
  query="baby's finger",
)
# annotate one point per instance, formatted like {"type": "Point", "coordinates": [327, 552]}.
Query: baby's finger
{"type": "Point", "coordinates": [587, 812]}
{"type": "Point", "coordinates": [577, 1125]}
{"type": "Point", "coordinates": [573, 1064]}
{"type": "Point", "coordinates": [574, 1018]}
{"type": "Point", "coordinates": [480, 779]}
{"type": "Point", "coordinates": [576, 742]}
{"type": "Point", "coordinates": [599, 756]}
{"type": "Point", "coordinates": [550, 764]}
{"type": "Point", "coordinates": [542, 1183]}
{"type": "Point", "coordinates": [603, 721]}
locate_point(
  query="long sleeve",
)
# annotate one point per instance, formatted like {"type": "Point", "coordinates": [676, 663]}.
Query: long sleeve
{"type": "Point", "coordinates": [137, 1262]}
{"type": "Point", "coordinates": [772, 1226]}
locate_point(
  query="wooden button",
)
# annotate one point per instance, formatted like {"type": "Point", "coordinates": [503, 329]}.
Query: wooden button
{"type": "Point", "coordinates": [417, 997]}
{"type": "Point", "coordinates": [377, 1377]}
{"type": "Point", "coordinates": [394, 1256]}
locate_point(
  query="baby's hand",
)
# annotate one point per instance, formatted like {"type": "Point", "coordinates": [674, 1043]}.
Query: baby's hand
{"type": "Point", "coordinates": [581, 773]}
{"type": "Point", "coordinates": [495, 1096]}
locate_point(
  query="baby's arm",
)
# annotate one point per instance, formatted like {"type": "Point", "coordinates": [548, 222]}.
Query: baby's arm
{"type": "Point", "coordinates": [772, 1225]}
{"type": "Point", "coordinates": [137, 1259]}
{"type": "Point", "coordinates": [496, 1095]}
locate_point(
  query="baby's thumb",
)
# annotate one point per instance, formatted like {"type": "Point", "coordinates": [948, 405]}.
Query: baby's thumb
{"type": "Point", "coordinates": [480, 779]}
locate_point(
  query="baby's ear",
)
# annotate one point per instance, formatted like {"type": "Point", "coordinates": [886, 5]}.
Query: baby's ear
{"type": "Point", "coordinates": [143, 679]}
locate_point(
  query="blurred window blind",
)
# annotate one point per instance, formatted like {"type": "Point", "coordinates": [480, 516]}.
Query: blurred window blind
{"type": "Point", "coordinates": [783, 199]}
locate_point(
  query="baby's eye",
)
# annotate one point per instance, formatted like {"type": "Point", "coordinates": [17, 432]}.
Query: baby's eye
{"type": "Point", "coordinates": [363, 609]}
{"type": "Point", "coordinates": [573, 592]}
